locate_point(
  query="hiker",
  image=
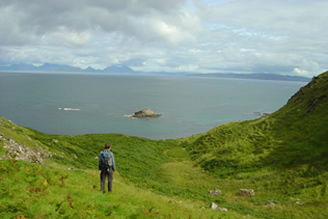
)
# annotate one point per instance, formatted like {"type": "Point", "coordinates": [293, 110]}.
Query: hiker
{"type": "Point", "coordinates": [106, 166]}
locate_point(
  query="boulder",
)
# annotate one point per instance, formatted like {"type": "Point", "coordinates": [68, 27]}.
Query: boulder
{"type": "Point", "coordinates": [145, 113]}
{"type": "Point", "coordinates": [216, 207]}
{"type": "Point", "coordinates": [246, 192]}
{"type": "Point", "coordinates": [215, 192]}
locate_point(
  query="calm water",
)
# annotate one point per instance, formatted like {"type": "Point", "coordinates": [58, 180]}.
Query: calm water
{"type": "Point", "coordinates": [74, 104]}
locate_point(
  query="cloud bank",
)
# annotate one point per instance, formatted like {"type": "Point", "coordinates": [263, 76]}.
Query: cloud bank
{"type": "Point", "coordinates": [272, 36]}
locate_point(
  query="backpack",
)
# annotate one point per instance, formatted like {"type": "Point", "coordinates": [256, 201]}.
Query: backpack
{"type": "Point", "coordinates": [107, 160]}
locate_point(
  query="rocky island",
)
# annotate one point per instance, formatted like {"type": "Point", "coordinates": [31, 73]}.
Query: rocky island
{"type": "Point", "coordinates": [145, 113]}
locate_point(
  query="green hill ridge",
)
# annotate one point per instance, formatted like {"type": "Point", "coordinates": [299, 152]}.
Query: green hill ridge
{"type": "Point", "coordinates": [281, 156]}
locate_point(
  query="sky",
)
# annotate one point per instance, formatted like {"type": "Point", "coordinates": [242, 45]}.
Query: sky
{"type": "Point", "coordinates": [205, 36]}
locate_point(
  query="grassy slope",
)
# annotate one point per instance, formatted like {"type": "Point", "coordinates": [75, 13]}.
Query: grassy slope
{"type": "Point", "coordinates": [281, 156]}
{"type": "Point", "coordinates": [145, 185]}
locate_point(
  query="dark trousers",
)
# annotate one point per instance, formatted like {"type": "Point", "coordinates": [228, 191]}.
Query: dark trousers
{"type": "Point", "coordinates": [106, 173]}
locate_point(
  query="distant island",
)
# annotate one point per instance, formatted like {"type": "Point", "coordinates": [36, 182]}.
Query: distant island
{"type": "Point", "coordinates": [145, 113]}
{"type": "Point", "coordinates": [123, 69]}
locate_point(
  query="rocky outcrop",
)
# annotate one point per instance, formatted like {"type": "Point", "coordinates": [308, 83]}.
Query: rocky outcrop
{"type": "Point", "coordinates": [246, 192]}
{"type": "Point", "coordinates": [21, 152]}
{"type": "Point", "coordinates": [145, 113]}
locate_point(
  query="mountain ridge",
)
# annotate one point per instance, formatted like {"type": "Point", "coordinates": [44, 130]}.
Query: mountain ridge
{"type": "Point", "coordinates": [48, 67]}
{"type": "Point", "coordinates": [256, 76]}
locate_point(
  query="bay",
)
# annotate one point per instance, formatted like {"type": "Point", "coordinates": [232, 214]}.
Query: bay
{"type": "Point", "coordinates": [74, 104]}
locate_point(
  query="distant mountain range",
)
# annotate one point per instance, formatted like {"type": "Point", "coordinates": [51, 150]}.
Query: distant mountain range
{"type": "Point", "coordinates": [256, 76]}
{"type": "Point", "coordinates": [47, 67]}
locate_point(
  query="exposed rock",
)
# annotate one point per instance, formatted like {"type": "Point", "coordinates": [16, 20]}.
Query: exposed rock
{"type": "Point", "coordinates": [146, 113]}
{"type": "Point", "coordinates": [298, 201]}
{"type": "Point", "coordinates": [270, 204]}
{"type": "Point", "coordinates": [55, 141]}
{"type": "Point", "coordinates": [216, 207]}
{"type": "Point", "coordinates": [261, 114]}
{"type": "Point", "coordinates": [215, 192]}
{"type": "Point", "coordinates": [213, 206]}
{"type": "Point", "coordinates": [246, 192]}
{"type": "Point", "coordinates": [21, 152]}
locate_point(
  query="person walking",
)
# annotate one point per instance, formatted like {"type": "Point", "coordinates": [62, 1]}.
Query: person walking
{"type": "Point", "coordinates": [106, 166]}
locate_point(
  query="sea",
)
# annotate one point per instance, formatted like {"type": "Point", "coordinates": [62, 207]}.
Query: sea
{"type": "Point", "coordinates": [75, 104]}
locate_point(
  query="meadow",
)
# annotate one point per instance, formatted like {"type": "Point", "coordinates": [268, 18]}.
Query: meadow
{"type": "Point", "coordinates": [281, 156]}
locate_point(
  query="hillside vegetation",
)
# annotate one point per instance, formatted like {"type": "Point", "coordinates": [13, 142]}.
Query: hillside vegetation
{"type": "Point", "coordinates": [281, 156]}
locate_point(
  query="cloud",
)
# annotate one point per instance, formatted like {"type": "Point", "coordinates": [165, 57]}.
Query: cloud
{"type": "Point", "coordinates": [300, 71]}
{"type": "Point", "coordinates": [64, 37]}
{"type": "Point", "coordinates": [307, 67]}
{"type": "Point", "coordinates": [280, 34]}
{"type": "Point", "coordinates": [275, 36]}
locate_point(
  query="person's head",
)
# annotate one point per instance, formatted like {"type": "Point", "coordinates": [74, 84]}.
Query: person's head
{"type": "Point", "coordinates": [108, 146]}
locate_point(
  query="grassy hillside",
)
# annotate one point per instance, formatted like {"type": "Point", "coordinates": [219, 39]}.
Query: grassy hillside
{"type": "Point", "coordinates": [153, 178]}
{"type": "Point", "coordinates": [282, 156]}
{"type": "Point", "coordinates": [294, 135]}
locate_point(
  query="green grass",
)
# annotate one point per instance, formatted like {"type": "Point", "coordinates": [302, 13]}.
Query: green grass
{"type": "Point", "coordinates": [282, 156]}
{"type": "Point", "coordinates": [53, 191]}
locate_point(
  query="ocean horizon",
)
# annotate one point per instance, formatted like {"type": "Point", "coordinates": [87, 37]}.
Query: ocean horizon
{"type": "Point", "coordinates": [75, 104]}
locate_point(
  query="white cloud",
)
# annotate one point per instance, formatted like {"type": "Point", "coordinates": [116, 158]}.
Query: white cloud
{"type": "Point", "coordinates": [275, 36]}
{"type": "Point", "coordinates": [300, 71]}
{"type": "Point", "coordinates": [63, 36]}
{"type": "Point", "coordinates": [187, 68]}
{"type": "Point", "coordinates": [308, 67]}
